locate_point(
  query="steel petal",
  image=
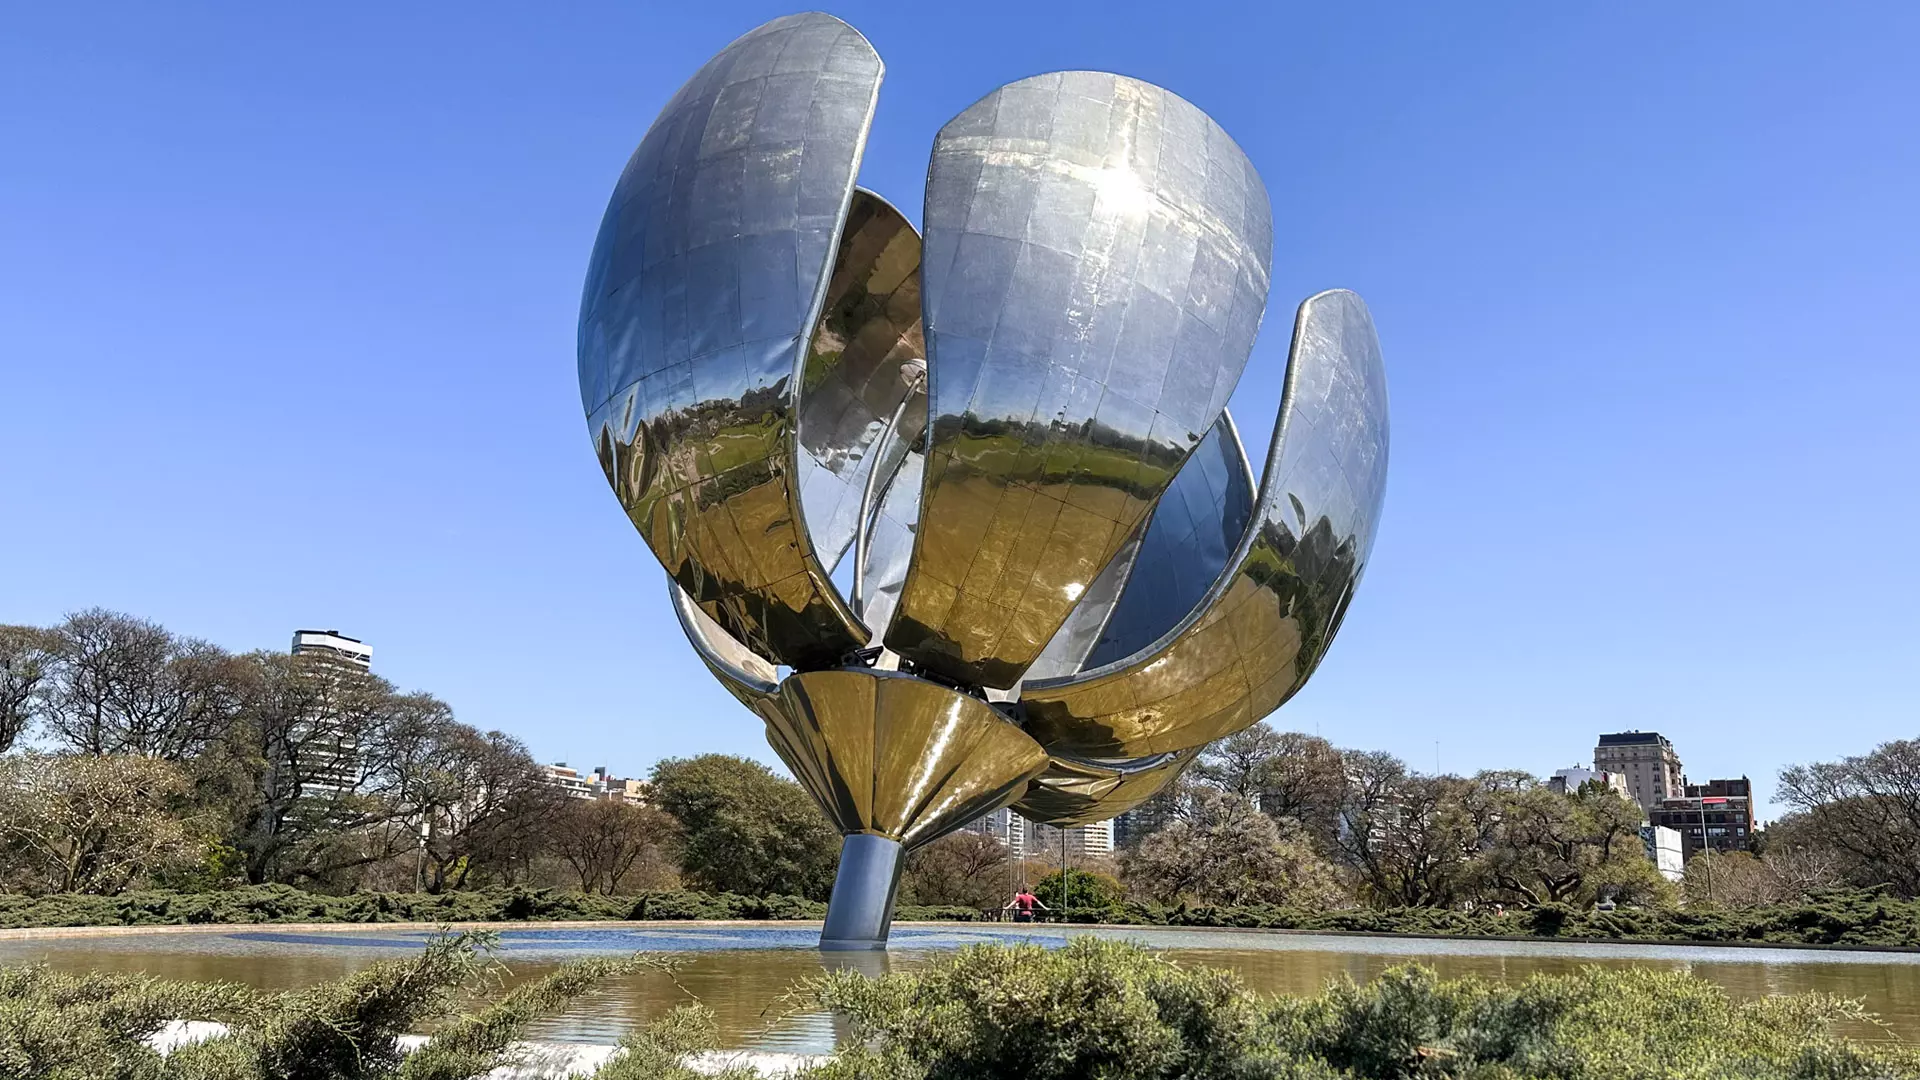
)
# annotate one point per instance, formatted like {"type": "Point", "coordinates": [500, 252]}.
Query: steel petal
{"type": "Point", "coordinates": [1095, 271]}
{"type": "Point", "coordinates": [1266, 622]}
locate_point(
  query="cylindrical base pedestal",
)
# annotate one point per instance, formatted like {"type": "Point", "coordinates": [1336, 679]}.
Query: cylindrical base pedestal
{"type": "Point", "coordinates": [861, 911]}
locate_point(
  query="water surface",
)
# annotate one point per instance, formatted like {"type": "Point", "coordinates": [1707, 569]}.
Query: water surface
{"type": "Point", "coordinates": [744, 973]}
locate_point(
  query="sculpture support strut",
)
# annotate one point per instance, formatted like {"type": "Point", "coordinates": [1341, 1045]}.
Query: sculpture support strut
{"type": "Point", "coordinates": [861, 911]}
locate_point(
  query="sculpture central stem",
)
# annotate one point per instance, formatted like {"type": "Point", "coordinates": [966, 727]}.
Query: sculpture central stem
{"type": "Point", "coordinates": [861, 911]}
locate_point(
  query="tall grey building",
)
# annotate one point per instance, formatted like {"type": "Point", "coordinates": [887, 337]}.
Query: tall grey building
{"type": "Point", "coordinates": [1005, 826]}
{"type": "Point", "coordinates": [1647, 760]}
{"type": "Point", "coordinates": [1030, 839]}
{"type": "Point", "coordinates": [1146, 819]}
{"type": "Point", "coordinates": [333, 755]}
{"type": "Point", "coordinates": [1044, 841]}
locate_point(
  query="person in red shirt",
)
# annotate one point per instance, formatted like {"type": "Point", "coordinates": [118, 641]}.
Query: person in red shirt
{"type": "Point", "coordinates": [1023, 904]}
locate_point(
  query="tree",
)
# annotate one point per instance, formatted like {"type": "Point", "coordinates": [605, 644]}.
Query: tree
{"type": "Point", "coordinates": [328, 771]}
{"type": "Point", "coordinates": [746, 830]}
{"type": "Point", "coordinates": [1548, 846]}
{"type": "Point", "coordinates": [1241, 764]}
{"type": "Point", "coordinates": [1866, 809]}
{"type": "Point", "coordinates": [295, 769]}
{"type": "Point", "coordinates": [1740, 879]}
{"type": "Point", "coordinates": [481, 801]}
{"type": "Point", "coordinates": [121, 685]}
{"type": "Point", "coordinates": [1305, 782]}
{"type": "Point", "coordinates": [1085, 895]}
{"type": "Point", "coordinates": [1408, 836]}
{"type": "Point", "coordinates": [25, 653]}
{"type": "Point", "coordinates": [1286, 773]}
{"type": "Point", "coordinates": [82, 823]}
{"type": "Point", "coordinates": [1796, 862]}
{"type": "Point", "coordinates": [605, 841]}
{"type": "Point", "coordinates": [1221, 850]}
{"type": "Point", "coordinates": [962, 868]}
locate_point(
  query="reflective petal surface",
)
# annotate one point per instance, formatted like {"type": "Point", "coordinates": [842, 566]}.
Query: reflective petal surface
{"type": "Point", "coordinates": [869, 328]}
{"type": "Point", "coordinates": [1156, 581]}
{"type": "Point", "coordinates": [1075, 792]}
{"type": "Point", "coordinates": [899, 756]}
{"type": "Point", "coordinates": [1265, 623]}
{"type": "Point", "coordinates": [704, 287]}
{"type": "Point", "coordinates": [895, 519]}
{"type": "Point", "coordinates": [1095, 269]}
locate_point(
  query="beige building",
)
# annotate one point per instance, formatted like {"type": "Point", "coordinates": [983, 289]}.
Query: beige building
{"type": "Point", "coordinates": [598, 784]}
{"type": "Point", "coordinates": [616, 788]}
{"type": "Point", "coordinates": [1647, 760]}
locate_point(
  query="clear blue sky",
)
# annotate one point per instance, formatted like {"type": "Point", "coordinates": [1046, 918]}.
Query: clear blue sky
{"type": "Point", "coordinates": [287, 304]}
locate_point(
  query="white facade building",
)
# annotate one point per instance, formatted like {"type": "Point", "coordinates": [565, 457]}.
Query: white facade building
{"type": "Point", "coordinates": [1568, 780]}
{"type": "Point", "coordinates": [1005, 826]}
{"type": "Point", "coordinates": [332, 755]}
{"type": "Point", "coordinates": [569, 781]}
{"type": "Point", "coordinates": [1043, 841]}
{"type": "Point", "coordinates": [333, 645]}
{"type": "Point", "coordinates": [1028, 839]}
{"type": "Point", "coordinates": [1663, 848]}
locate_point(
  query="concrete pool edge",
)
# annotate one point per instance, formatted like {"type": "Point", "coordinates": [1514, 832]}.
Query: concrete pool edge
{"type": "Point", "coordinates": [33, 933]}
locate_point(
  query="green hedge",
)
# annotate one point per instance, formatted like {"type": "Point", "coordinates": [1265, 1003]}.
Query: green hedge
{"type": "Point", "coordinates": [1838, 917]}
{"type": "Point", "coordinates": [1843, 917]}
{"type": "Point", "coordinates": [281, 903]}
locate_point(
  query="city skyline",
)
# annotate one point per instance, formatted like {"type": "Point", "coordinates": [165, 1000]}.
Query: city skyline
{"type": "Point", "coordinates": [1641, 273]}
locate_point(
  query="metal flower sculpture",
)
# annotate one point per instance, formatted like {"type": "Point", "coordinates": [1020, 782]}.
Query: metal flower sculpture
{"type": "Point", "coordinates": [962, 515]}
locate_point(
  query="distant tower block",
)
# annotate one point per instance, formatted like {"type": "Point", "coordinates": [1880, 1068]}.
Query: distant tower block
{"type": "Point", "coordinates": [333, 645]}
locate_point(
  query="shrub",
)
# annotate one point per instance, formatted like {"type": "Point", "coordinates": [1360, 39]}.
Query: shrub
{"type": "Point", "coordinates": [1114, 1011]}
{"type": "Point", "coordinates": [1093, 1008]}
{"type": "Point", "coordinates": [1088, 897]}
{"type": "Point", "coordinates": [95, 1027]}
{"type": "Point", "coordinates": [89, 1026]}
{"type": "Point", "coordinates": [1597, 1023]}
{"type": "Point", "coordinates": [1839, 917]}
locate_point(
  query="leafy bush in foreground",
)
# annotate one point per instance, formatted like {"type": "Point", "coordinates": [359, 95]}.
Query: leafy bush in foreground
{"type": "Point", "coordinates": [1115, 1011]}
{"type": "Point", "coordinates": [94, 1027]}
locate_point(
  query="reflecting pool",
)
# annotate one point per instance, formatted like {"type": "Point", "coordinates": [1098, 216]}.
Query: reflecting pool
{"type": "Point", "coordinates": [743, 972]}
